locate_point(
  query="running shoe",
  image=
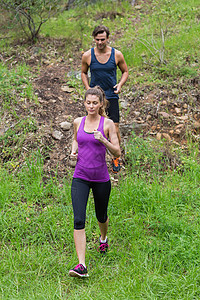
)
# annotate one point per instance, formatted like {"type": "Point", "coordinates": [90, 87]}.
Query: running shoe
{"type": "Point", "coordinates": [103, 248]}
{"type": "Point", "coordinates": [79, 271]}
{"type": "Point", "coordinates": [116, 165]}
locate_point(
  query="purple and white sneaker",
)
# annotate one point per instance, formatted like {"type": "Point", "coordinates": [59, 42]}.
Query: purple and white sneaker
{"type": "Point", "coordinates": [103, 248]}
{"type": "Point", "coordinates": [79, 271]}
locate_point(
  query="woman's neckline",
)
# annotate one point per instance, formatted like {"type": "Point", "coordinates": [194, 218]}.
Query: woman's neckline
{"type": "Point", "coordinates": [90, 132]}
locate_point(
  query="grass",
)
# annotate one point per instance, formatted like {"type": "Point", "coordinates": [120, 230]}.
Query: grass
{"type": "Point", "coordinates": [154, 211]}
{"type": "Point", "coordinates": [15, 86]}
{"type": "Point", "coordinates": [153, 235]}
{"type": "Point", "coordinates": [17, 95]}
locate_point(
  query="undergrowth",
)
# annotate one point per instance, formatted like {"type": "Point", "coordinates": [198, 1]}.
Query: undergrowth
{"type": "Point", "coordinates": [154, 210]}
{"type": "Point", "coordinates": [154, 225]}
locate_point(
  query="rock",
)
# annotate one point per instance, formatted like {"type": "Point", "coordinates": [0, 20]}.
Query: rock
{"type": "Point", "coordinates": [164, 114]}
{"type": "Point", "coordinates": [175, 91]}
{"type": "Point", "coordinates": [137, 128]}
{"type": "Point", "coordinates": [178, 110]}
{"type": "Point", "coordinates": [46, 62]}
{"type": "Point", "coordinates": [166, 136]}
{"type": "Point", "coordinates": [136, 113]}
{"type": "Point", "coordinates": [126, 129]}
{"type": "Point", "coordinates": [138, 7]}
{"type": "Point", "coordinates": [179, 126]}
{"type": "Point", "coordinates": [2, 131]}
{"type": "Point", "coordinates": [196, 125]}
{"type": "Point", "coordinates": [177, 131]}
{"type": "Point", "coordinates": [124, 103]}
{"type": "Point", "coordinates": [67, 89]}
{"type": "Point", "coordinates": [74, 74]}
{"type": "Point", "coordinates": [57, 135]}
{"type": "Point", "coordinates": [139, 120]}
{"type": "Point", "coordinates": [158, 136]}
{"type": "Point", "coordinates": [148, 118]}
{"type": "Point", "coordinates": [183, 118]}
{"type": "Point", "coordinates": [65, 125]}
{"type": "Point", "coordinates": [62, 156]}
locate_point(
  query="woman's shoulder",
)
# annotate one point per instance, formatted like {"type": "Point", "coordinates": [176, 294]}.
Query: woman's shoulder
{"type": "Point", "coordinates": [108, 123]}
{"type": "Point", "coordinates": [77, 121]}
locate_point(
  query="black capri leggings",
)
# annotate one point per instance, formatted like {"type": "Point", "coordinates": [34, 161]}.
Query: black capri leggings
{"type": "Point", "coordinates": [80, 192]}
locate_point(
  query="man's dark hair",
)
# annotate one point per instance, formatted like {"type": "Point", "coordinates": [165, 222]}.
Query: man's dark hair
{"type": "Point", "coordinates": [101, 29]}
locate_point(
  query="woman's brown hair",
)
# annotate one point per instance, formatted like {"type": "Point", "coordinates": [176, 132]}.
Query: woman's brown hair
{"type": "Point", "coordinates": [97, 91]}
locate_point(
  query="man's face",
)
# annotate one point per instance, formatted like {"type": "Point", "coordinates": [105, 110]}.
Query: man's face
{"type": "Point", "coordinates": [101, 40]}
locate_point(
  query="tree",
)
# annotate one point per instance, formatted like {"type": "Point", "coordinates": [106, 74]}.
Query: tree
{"type": "Point", "coordinates": [31, 14]}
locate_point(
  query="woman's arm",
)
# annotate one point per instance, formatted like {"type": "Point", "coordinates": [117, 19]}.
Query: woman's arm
{"type": "Point", "coordinates": [74, 150]}
{"type": "Point", "coordinates": [113, 144]}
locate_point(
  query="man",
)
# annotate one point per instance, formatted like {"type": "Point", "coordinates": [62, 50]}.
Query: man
{"type": "Point", "coordinates": [103, 62]}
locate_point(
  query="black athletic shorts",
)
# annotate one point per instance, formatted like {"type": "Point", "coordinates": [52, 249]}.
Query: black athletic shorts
{"type": "Point", "coordinates": [113, 110]}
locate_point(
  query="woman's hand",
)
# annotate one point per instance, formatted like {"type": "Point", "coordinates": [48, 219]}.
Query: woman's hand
{"type": "Point", "coordinates": [98, 136]}
{"type": "Point", "coordinates": [73, 155]}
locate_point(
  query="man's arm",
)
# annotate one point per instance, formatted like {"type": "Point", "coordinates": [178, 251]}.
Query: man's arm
{"type": "Point", "coordinates": [120, 61]}
{"type": "Point", "coordinates": [84, 68]}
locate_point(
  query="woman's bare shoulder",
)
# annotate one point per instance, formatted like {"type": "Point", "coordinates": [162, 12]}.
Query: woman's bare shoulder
{"type": "Point", "coordinates": [77, 121]}
{"type": "Point", "coordinates": [108, 122]}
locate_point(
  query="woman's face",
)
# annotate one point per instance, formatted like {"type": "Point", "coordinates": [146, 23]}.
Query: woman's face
{"type": "Point", "coordinates": [92, 104]}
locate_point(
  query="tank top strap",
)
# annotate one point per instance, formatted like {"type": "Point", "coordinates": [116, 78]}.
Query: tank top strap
{"type": "Point", "coordinates": [81, 127]}
{"type": "Point", "coordinates": [92, 54]}
{"type": "Point", "coordinates": [113, 53]}
{"type": "Point", "coordinates": [101, 124]}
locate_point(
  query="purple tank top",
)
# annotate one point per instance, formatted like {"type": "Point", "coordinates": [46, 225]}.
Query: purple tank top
{"type": "Point", "coordinates": [91, 162]}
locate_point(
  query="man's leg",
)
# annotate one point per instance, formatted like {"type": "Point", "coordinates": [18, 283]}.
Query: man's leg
{"type": "Point", "coordinates": [118, 132]}
{"type": "Point", "coordinates": [113, 114]}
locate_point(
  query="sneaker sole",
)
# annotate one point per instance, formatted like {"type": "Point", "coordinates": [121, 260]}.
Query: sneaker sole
{"type": "Point", "coordinates": [72, 273]}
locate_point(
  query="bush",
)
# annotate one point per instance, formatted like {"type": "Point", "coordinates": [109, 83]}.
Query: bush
{"type": "Point", "coordinates": [31, 14]}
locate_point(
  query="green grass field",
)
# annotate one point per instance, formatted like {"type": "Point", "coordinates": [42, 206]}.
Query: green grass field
{"type": "Point", "coordinates": [154, 210]}
{"type": "Point", "coordinates": [153, 236]}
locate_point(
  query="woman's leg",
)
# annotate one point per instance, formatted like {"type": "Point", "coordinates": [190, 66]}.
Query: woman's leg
{"type": "Point", "coordinates": [80, 243]}
{"type": "Point", "coordinates": [80, 192]}
{"type": "Point", "coordinates": [103, 229]}
{"type": "Point", "coordinates": [101, 193]}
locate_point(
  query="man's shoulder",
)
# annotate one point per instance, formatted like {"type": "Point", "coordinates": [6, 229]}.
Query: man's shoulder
{"type": "Point", "coordinates": [87, 53]}
{"type": "Point", "coordinates": [117, 52]}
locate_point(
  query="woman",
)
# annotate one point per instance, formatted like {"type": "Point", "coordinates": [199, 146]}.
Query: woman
{"type": "Point", "coordinates": [93, 134]}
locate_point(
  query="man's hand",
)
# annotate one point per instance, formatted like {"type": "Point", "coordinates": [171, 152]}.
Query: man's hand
{"type": "Point", "coordinates": [118, 88]}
